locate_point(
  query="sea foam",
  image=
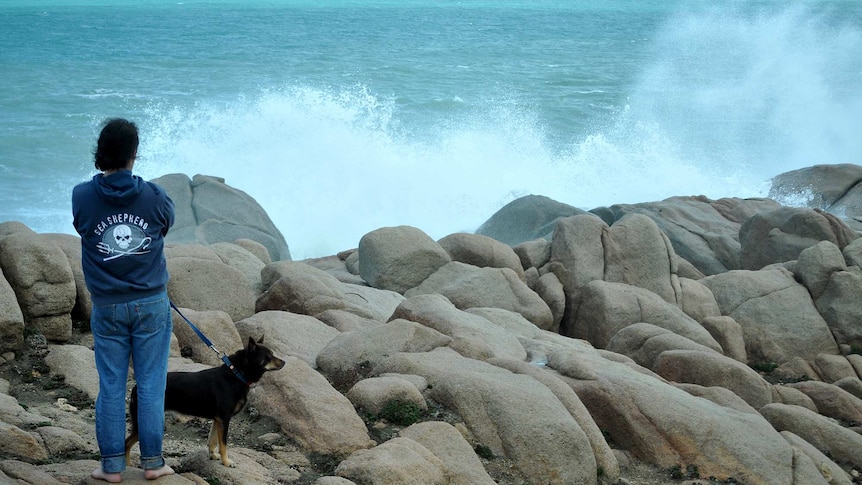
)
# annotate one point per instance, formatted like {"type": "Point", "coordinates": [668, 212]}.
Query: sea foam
{"type": "Point", "coordinates": [726, 100]}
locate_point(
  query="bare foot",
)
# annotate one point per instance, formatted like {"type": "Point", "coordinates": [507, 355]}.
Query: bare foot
{"type": "Point", "coordinates": [158, 472]}
{"type": "Point", "coordinates": [98, 474]}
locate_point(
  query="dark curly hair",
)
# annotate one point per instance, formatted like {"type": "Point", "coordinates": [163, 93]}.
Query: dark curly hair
{"type": "Point", "coordinates": [118, 144]}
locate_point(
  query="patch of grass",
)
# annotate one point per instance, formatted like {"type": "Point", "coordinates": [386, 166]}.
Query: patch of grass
{"type": "Point", "coordinates": [401, 413]}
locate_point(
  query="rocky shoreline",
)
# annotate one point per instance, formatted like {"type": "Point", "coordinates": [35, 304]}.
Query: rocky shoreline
{"type": "Point", "coordinates": [683, 341]}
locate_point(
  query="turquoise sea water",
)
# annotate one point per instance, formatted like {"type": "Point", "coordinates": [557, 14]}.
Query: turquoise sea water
{"type": "Point", "coordinates": [340, 117]}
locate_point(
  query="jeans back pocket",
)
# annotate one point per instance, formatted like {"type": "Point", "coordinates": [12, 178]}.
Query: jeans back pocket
{"type": "Point", "coordinates": [152, 314]}
{"type": "Point", "coordinates": [103, 321]}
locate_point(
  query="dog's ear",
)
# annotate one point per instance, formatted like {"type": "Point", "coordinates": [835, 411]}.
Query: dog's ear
{"type": "Point", "coordinates": [251, 345]}
{"type": "Point", "coordinates": [260, 340]}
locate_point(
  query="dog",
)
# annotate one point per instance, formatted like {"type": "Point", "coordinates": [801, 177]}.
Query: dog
{"type": "Point", "coordinates": [216, 394]}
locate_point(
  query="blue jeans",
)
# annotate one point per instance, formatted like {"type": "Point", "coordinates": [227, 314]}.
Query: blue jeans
{"type": "Point", "coordinates": [139, 329]}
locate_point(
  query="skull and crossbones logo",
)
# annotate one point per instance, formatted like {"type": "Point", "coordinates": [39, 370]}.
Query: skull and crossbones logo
{"type": "Point", "coordinates": [121, 242]}
{"type": "Point", "coordinates": [123, 236]}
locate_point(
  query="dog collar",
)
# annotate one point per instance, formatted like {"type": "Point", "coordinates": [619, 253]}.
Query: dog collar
{"type": "Point", "coordinates": [235, 371]}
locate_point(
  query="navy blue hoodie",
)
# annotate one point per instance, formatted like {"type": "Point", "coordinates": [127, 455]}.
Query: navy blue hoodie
{"type": "Point", "coordinates": [122, 221]}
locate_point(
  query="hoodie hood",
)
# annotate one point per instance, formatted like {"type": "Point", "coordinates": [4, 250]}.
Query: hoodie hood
{"type": "Point", "coordinates": [119, 188]}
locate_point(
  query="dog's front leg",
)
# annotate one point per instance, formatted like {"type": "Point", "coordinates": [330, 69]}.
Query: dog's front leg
{"type": "Point", "coordinates": [220, 430]}
{"type": "Point", "coordinates": [213, 439]}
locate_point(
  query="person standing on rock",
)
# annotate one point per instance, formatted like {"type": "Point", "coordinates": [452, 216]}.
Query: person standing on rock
{"type": "Point", "coordinates": [122, 221]}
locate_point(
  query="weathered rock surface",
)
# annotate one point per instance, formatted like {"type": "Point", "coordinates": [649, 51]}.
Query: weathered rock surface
{"type": "Point", "coordinates": [780, 235]}
{"type": "Point", "coordinates": [640, 413]}
{"type": "Point", "coordinates": [828, 469]}
{"type": "Point", "coordinates": [310, 410]}
{"type": "Point", "coordinates": [711, 369]}
{"type": "Point", "coordinates": [832, 401]}
{"type": "Point", "coordinates": [210, 211]}
{"type": "Point", "coordinates": [472, 335]}
{"type": "Point", "coordinates": [481, 251]}
{"type": "Point", "coordinates": [77, 364]}
{"type": "Point", "coordinates": [71, 247]}
{"type": "Point", "coordinates": [41, 276]}
{"type": "Point", "coordinates": [704, 232]}
{"type": "Point", "coordinates": [644, 343]}
{"type": "Point", "coordinates": [633, 251]}
{"type": "Point", "coordinates": [375, 393]}
{"type": "Point", "coordinates": [301, 288]}
{"type": "Point", "coordinates": [288, 334]}
{"type": "Point", "coordinates": [468, 286]}
{"type": "Point", "coordinates": [607, 308]}
{"type": "Point", "coordinates": [833, 188]}
{"type": "Point", "coordinates": [205, 285]}
{"type": "Point", "coordinates": [778, 318]}
{"type": "Point", "coordinates": [462, 465]}
{"type": "Point", "coordinates": [525, 219]}
{"type": "Point", "coordinates": [11, 318]}
{"type": "Point", "coordinates": [399, 258]}
{"type": "Point", "coordinates": [251, 467]}
{"type": "Point", "coordinates": [490, 400]}
{"type": "Point", "coordinates": [656, 376]}
{"type": "Point", "coordinates": [397, 461]}
{"type": "Point", "coordinates": [365, 348]}
{"type": "Point", "coordinates": [838, 304]}
{"type": "Point", "coordinates": [218, 328]}
{"type": "Point", "coordinates": [821, 432]}
{"type": "Point", "coordinates": [242, 259]}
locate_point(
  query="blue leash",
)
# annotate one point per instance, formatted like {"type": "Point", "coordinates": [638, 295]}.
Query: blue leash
{"type": "Point", "coordinates": [222, 355]}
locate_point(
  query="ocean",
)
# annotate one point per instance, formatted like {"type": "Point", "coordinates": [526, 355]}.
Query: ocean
{"type": "Point", "coordinates": [343, 116]}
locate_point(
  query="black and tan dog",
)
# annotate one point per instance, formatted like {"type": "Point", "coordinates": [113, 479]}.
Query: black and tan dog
{"type": "Point", "coordinates": [217, 394]}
